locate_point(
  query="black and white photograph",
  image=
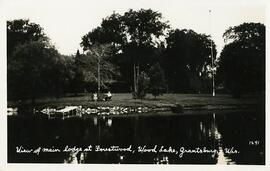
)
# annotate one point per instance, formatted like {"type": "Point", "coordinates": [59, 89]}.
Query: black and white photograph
{"type": "Point", "coordinates": [135, 83]}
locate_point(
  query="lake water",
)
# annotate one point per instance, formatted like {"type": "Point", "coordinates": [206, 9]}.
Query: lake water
{"type": "Point", "coordinates": [150, 138]}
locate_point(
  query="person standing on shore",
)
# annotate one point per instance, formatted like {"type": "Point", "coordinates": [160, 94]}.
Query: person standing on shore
{"type": "Point", "coordinates": [95, 97]}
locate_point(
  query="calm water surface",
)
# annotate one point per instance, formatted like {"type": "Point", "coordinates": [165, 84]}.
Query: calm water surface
{"type": "Point", "coordinates": [165, 138]}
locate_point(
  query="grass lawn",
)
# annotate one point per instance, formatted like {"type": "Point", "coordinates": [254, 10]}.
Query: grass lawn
{"type": "Point", "coordinates": [167, 100]}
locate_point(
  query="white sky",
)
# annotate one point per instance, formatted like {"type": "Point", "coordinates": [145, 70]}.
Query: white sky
{"type": "Point", "coordinates": [65, 22]}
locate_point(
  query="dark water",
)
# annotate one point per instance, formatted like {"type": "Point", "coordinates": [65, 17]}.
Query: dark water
{"type": "Point", "coordinates": [224, 138]}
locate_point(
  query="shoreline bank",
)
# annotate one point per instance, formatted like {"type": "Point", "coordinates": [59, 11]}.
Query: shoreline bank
{"type": "Point", "coordinates": [176, 103]}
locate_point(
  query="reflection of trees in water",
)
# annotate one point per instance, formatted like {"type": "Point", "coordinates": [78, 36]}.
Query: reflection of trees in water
{"type": "Point", "coordinates": [189, 131]}
{"type": "Point", "coordinates": [237, 130]}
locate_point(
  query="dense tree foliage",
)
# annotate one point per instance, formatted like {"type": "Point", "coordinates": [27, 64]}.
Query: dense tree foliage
{"type": "Point", "coordinates": [138, 38]}
{"type": "Point", "coordinates": [99, 67]}
{"type": "Point", "coordinates": [157, 80]}
{"type": "Point", "coordinates": [33, 71]}
{"type": "Point", "coordinates": [22, 31]}
{"type": "Point", "coordinates": [187, 61]}
{"type": "Point", "coordinates": [93, 66]}
{"type": "Point", "coordinates": [242, 60]}
{"type": "Point", "coordinates": [143, 85]}
{"type": "Point", "coordinates": [134, 52]}
{"type": "Point", "coordinates": [110, 31]}
{"type": "Point", "coordinates": [134, 37]}
{"type": "Point", "coordinates": [77, 80]}
{"type": "Point", "coordinates": [35, 68]}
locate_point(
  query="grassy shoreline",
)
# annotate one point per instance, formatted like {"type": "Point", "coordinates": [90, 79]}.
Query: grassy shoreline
{"type": "Point", "coordinates": [167, 101]}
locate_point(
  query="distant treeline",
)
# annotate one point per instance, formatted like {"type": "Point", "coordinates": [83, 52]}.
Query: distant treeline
{"type": "Point", "coordinates": [127, 49]}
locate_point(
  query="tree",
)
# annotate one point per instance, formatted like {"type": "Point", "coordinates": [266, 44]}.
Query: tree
{"type": "Point", "coordinates": [34, 66]}
{"type": "Point", "coordinates": [134, 36]}
{"type": "Point", "coordinates": [157, 80]}
{"type": "Point", "coordinates": [105, 71]}
{"type": "Point", "coordinates": [78, 84]}
{"type": "Point", "coordinates": [143, 28]}
{"type": "Point", "coordinates": [22, 31]}
{"type": "Point", "coordinates": [187, 60]}
{"type": "Point", "coordinates": [32, 74]}
{"type": "Point", "coordinates": [96, 70]}
{"type": "Point", "coordinates": [242, 60]}
{"type": "Point", "coordinates": [143, 85]}
{"type": "Point", "coordinates": [111, 32]}
{"type": "Point", "coordinates": [65, 74]}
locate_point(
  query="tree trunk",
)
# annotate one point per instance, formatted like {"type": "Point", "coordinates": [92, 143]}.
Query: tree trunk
{"type": "Point", "coordinates": [138, 72]}
{"type": "Point", "coordinates": [98, 75]}
{"type": "Point", "coordinates": [135, 79]}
